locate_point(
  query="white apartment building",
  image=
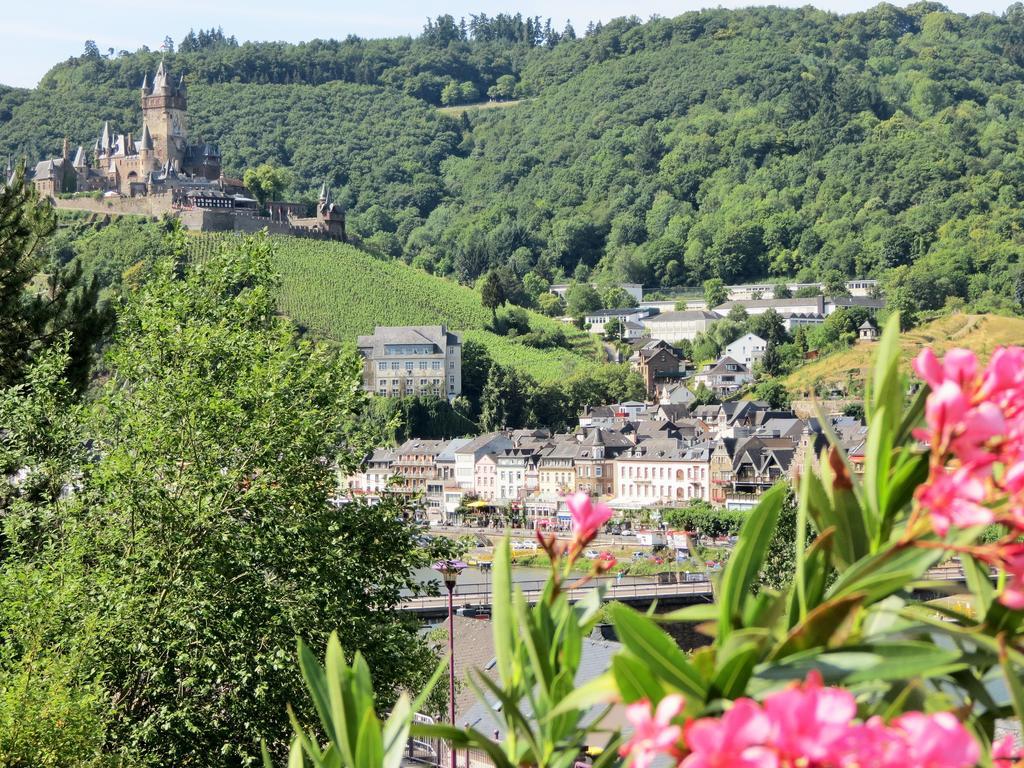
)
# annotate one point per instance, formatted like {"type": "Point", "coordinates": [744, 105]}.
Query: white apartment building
{"type": "Point", "coordinates": [747, 349]}
{"type": "Point", "coordinates": [466, 456]}
{"type": "Point", "coordinates": [599, 318]}
{"type": "Point", "coordinates": [676, 326]}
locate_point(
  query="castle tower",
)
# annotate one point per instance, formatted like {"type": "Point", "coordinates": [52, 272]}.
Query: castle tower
{"type": "Point", "coordinates": [164, 113]}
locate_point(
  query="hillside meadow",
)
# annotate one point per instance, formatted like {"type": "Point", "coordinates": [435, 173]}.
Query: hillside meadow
{"type": "Point", "coordinates": [980, 333]}
{"type": "Point", "coordinates": [336, 291]}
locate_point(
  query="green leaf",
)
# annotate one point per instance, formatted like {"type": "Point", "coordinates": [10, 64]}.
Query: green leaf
{"type": "Point", "coordinates": [369, 748]}
{"type": "Point", "coordinates": [1013, 681]}
{"type": "Point", "coordinates": [501, 610]}
{"type": "Point", "coordinates": [869, 663]}
{"type": "Point", "coordinates": [880, 575]}
{"type": "Point", "coordinates": [463, 737]}
{"type": "Point", "coordinates": [821, 626]}
{"type": "Point", "coordinates": [730, 681]}
{"type": "Point", "coordinates": [599, 690]}
{"type": "Point", "coordinates": [696, 613]}
{"type": "Point", "coordinates": [634, 679]}
{"type": "Point", "coordinates": [317, 684]}
{"type": "Point", "coordinates": [645, 639]}
{"type": "Point", "coordinates": [748, 557]}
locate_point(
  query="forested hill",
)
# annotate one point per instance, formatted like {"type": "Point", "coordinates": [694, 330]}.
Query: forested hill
{"type": "Point", "coordinates": [739, 144]}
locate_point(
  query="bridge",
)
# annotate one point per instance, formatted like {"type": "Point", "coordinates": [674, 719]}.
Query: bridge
{"type": "Point", "coordinates": [670, 593]}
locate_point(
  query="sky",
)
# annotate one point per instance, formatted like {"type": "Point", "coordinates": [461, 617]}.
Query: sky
{"type": "Point", "coordinates": [35, 37]}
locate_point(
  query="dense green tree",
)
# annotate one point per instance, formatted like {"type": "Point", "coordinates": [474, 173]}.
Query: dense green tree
{"type": "Point", "coordinates": [582, 298]}
{"type": "Point", "coordinates": [770, 326]}
{"type": "Point", "coordinates": [492, 292]}
{"type": "Point", "coordinates": [715, 292]}
{"type": "Point", "coordinates": [551, 304]}
{"type": "Point", "coordinates": [266, 181]}
{"type": "Point", "coordinates": [199, 539]}
{"type": "Point", "coordinates": [40, 298]}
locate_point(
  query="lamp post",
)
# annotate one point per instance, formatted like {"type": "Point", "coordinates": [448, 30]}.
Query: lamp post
{"type": "Point", "coordinates": [450, 570]}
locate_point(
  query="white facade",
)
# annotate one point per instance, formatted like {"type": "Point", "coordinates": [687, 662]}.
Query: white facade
{"type": "Point", "coordinates": [747, 349]}
{"type": "Point", "coordinates": [677, 326]}
{"type": "Point", "coordinates": [599, 319]}
{"type": "Point", "coordinates": [635, 290]}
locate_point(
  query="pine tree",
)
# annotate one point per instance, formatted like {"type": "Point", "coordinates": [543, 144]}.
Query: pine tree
{"type": "Point", "coordinates": [33, 316]}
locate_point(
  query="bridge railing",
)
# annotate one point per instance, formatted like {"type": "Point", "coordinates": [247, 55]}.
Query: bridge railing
{"type": "Point", "coordinates": [692, 584]}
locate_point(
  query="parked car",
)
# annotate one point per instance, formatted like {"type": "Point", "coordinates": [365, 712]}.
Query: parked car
{"type": "Point", "coordinates": [626, 532]}
{"type": "Point", "coordinates": [591, 554]}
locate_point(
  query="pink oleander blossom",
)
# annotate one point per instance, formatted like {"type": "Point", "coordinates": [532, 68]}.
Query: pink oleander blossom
{"type": "Point", "coordinates": [587, 517]}
{"type": "Point", "coordinates": [811, 720]}
{"type": "Point", "coordinates": [742, 737]}
{"type": "Point", "coordinates": [1005, 753]}
{"type": "Point", "coordinates": [954, 499]}
{"type": "Point", "coordinates": [937, 740]}
{"type": "Point", "coordinates": [814, 726]}
{"type": "Point", "coordinates": [654, 733]}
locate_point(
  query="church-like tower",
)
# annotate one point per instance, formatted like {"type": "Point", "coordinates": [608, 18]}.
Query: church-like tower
{"type": "Point", "coordinates": [164, 113]}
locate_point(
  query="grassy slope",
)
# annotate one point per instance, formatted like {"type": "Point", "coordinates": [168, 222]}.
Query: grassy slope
{"type": "Point", "coordinates": [338, 292]}
{"type": "Point", "coordinates": [981, 333]}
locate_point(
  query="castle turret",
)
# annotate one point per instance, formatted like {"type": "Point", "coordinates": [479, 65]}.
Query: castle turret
{"type": "Point", "coordinates": [146, 89]}
{"type": "Point", "coordinates": [105, 139]}
{"type": "Point", "coordinates": [65, 151]}
{"type": "Point", "coordinates": [80, 160]}
{"type": "Point", "coordinates": [164, 113]}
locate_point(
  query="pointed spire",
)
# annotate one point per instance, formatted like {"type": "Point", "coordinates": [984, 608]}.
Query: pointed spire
{"type": "Point", "coordinates": [105, 139]}
{"type": "Point", "coordinates": [147, 139]}
{"type": "Point", "coordinates": [160, 81]}
{"type": "Point", "coordinates": [145, 82]}
{"type": "Point", "coordinates": [79, 157]}
{"type": "Point", "coordinates": [324, 194]}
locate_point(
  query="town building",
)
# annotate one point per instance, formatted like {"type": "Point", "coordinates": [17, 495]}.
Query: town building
{"type": "Point", "coordinates": [868, 331]}
{"type": "Point", "coordinates": [467, 456]}
{"type": "Point", "coordinates": [809, 305]}
{"type": "Point", "coordinates": [677, 326]}
{"type": "Point", "coordinates": [794, 320]}
{"type": "Point", "coordinates": [724, 378]}
{"type": "Point", "coordinates": [599, 318]}
{"type": "Point", "coordinates": [556, 468]}
{"type": "Point", "coordinates": [415, 465]}
{"type": "Point", "coordinates": [658, 363]}
{"type": "Point", "coordinates": [412, 360]}
{"type": "Point", "coordinates": [595, 460]}
{"type": "Point", "coordinates": [635, 290]}
{"type": "Point", "coordinates": [747, 349]}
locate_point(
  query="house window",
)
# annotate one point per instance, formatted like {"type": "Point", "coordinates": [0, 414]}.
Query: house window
{"type": "Point", "coordinates": [408, 365]}
{"type": "Point", "coordinates": [598, 471]}
{"type": "Point", "coordinates": [436, 365]}
{"type": "Point", "coordinates": [382, 366]}
{"type": "Point", "coordinates": [452, 365]}
{"type": "Point", "coordinates": [394, 365]}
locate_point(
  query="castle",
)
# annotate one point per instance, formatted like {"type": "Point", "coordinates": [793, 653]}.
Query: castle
{"type": "Point", "coordinates": [161, 158]}
{"type": "Point", "coordinates": [162, 173]}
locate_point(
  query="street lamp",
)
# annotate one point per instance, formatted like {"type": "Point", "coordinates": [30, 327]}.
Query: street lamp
{"type": "Point", "coordinates": [450, 570]}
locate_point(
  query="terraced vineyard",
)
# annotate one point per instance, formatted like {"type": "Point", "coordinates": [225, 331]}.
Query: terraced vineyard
{"type": "Point", "coordinates": [338, 292]}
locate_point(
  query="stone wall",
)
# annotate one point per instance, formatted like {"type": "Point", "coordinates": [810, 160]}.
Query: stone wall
{"type": "Point", "coordinates": [146, 205]}
{"type": "Point", "coordinates": [806, 409]}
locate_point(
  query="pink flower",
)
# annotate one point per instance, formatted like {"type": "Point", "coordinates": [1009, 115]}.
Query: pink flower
{"type": "Point", "coordinates": [954, 499]}
{"type": "Point", "coordinates": [811, 721]}
{"type": "Point", "coordinates": [1004, 752]}
{"type": "Point", "coordinates": [587, 517]}
{"type": "Point", "coordinates": [928, 367]}
{"type": "Point", "coordinates": [873, 744]}
{"type": "Point", "coordinates": [653, 735]}
{"type": "Point", "coordinates": [937, 740]}
{"type": "Point", "coordinates": [1011, 558]}
{"type": "Point", "coordinates": [739, 738]}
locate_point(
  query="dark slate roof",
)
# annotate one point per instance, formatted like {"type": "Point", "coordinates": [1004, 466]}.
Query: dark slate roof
{"type": "Point", "coordinates": [437, 335]}
{"type": "Point", "coordinates": [612, 312]}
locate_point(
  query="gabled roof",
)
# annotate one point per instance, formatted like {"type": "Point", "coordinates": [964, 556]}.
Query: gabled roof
{"type": "Point", "coordinates": [384, 336]}
{"type": "Point", "coordinates": [721, 367]}
{"type": "Point", "coordinates": [489, 441]}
